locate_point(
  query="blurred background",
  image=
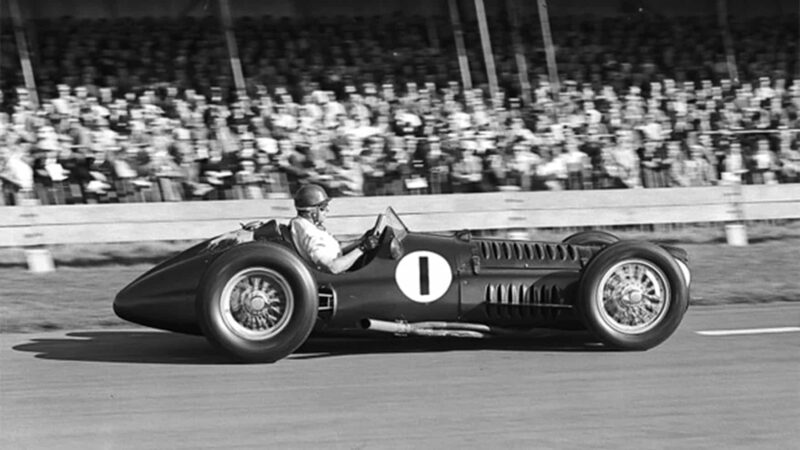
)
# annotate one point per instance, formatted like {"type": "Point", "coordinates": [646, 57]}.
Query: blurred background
{"type": "Point", "coordinates": [152, 101]}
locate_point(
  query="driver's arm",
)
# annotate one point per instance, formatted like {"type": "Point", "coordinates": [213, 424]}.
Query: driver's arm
{"type": "Point", "coordinates": [323, 250]}
{"type": "Point", "coordinates": [344, 262]}
{"type": "Point", "coordinates": [347, 246]}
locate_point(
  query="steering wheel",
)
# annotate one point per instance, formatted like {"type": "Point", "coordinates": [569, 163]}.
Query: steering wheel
{"type": "Point", "coordinates": [377, 230]}
{"type": "Point", "coordinates": [380, 225]}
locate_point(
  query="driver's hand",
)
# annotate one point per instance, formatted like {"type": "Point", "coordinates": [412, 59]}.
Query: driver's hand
{"type": "Point", "coordinates": [250, 226]}
{"type": "Point", "coordinates": [366, 234]}
{"type": "Point", "coordinates": [368, 242]}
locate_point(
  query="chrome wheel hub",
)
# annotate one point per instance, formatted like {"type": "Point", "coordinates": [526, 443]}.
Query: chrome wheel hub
{"type": "Point", "coordinates": [256, 303]}
{"type": "Point", "coordinates": [634, 296]}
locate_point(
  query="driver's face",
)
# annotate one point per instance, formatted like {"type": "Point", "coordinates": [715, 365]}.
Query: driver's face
{"type": "Point", "coordinates": [323, 212]}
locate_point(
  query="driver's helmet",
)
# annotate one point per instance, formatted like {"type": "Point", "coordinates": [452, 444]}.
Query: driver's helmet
{"type": "Point", "coordinates": [310, 196]}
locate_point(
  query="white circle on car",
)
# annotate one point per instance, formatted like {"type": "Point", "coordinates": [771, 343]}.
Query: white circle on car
{"type": "Point", "coordinates": [423, 276]}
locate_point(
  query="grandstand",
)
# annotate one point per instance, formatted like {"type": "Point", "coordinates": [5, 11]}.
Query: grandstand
{"type": "Point", "coordinates": [120, 101]}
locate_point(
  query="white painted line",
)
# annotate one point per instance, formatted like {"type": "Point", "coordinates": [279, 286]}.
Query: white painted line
{"type": "Point", "coordinates": [749, 331]}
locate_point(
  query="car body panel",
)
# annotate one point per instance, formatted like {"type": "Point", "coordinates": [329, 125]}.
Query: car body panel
{"type": "Point", "coordinates": [164, 297]}
{"type": "Point", "coordinates": [451, 278]}
{"type": "Point", "coordinates": [374, 292]}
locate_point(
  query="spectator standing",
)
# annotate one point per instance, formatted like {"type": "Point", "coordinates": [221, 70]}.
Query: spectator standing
{"type": "Point", "coordinates": [553, 170]}
{"type": "Point", "coordinates": [467, 170]}
{"type": "Point", "coordinates": [522, 165]}
{"type": "Point", "coordinates": [439, 164]}
{"type": "Point", "coordinates": [16, 174]}
{"type": "Point", "coordinates": [734, 163]}
{"type": "Point", "coordinates": [677, 173]}
{"type": "Point", "coordinates": [621, 162]}
{"type": "Point", "coordinates": [373, 166]}
{"type": "Point", "coordinates": [593, 148]}
{"type": "Point", "coordinates": [649, 164]}
{"type": "Point", "coordinates": [78, 162]}
{"type": "Point", "coordinates": [577, 163]}
{"type": "Point", "coordinates": [788, 160]}
{"type": "Point", "coordinates": [349, 177]}
{"type": "Point", "coordinates": [764, 163]}
{"type": "Point", "coordinates": [249, 182]}
{"type": "Point", "coordinates": [699, 171]}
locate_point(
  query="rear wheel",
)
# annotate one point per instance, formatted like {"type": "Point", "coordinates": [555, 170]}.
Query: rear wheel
{"type": "Point", "coordinates": [591, 237]}
{"type": "Point", "coordinates": [633, 295]}
{"type": "Point", "coordinates": [257, 302]}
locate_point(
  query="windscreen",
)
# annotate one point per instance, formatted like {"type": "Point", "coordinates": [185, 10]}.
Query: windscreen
{"type": "Point", "coordinates": [394, 222]}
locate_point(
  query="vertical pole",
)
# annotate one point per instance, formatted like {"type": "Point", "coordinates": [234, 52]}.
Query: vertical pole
{"type": "Point", "coordinates": [486, 44]}
{"type": "Point", "coordinates": [458, 34]}
{"type": "Point", "coordinates": [549, 50]}
{"type": "Point", "coordinates": [2, 11]}
{"type": "Point", "coordinates": [113, 9]}
{"type": "Point", "coordinates": [735, 230]}
{"type": "Point", "coordinates": [24, 55]}
{"type": "Point", "coordinates": [433, 33]}
{"type": "Point", "coordinates": [230, 40]}
{"type": "Point", "coordinates": [730, 57]}
{"type": "Point", "coordinates": [519, 51]}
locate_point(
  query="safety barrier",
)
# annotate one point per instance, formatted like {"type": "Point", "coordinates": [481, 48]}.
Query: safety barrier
{"type": "Point", "coordinates": [31, 226]}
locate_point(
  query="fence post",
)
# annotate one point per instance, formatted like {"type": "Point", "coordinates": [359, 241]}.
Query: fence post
{"type": "Point", "coordinates": [735, 231]}
{"type": "Point", "coordinates": [38, 258]}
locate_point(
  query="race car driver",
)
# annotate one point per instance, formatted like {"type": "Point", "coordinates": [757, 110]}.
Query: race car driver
{"type": "Point", "coordinates": [313, 242]}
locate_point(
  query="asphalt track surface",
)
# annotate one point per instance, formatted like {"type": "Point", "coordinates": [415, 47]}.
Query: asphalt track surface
{"type": "Point", "coordinates": [139, 388]}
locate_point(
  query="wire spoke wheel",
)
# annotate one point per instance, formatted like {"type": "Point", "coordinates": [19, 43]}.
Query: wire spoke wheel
{"type": "Point", "coordinates": [256, 303]}
{"type": "Point", "coordinates": [634, 296]}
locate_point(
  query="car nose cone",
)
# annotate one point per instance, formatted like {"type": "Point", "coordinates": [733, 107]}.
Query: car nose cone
{"type": "Point", "coordinates": [163, 297]}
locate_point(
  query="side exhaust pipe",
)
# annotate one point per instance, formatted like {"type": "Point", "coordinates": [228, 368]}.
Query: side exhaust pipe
{"type": "Point", "coordinates": [437, 329]}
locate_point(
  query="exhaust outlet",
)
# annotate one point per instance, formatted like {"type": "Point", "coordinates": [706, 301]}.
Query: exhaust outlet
{"type": "Point", "coordinates": [432, 329]}
{"type": "Point", "coordinates": [385, 326]}
{"type": "Point", "coordinates": [449, 329]}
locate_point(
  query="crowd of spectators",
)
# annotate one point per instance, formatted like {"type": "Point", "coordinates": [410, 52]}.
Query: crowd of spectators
{"type": "Point", "coordinates": [144, 110]}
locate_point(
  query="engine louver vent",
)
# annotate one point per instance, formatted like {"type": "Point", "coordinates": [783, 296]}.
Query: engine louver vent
{"type": "Point", "coordinates": [524, 301]}
{"type": "Point", "coordinates": [506, 250]}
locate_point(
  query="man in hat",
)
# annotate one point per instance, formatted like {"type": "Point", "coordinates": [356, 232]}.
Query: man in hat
{"type": "Point", "coordinates": [314, 243]}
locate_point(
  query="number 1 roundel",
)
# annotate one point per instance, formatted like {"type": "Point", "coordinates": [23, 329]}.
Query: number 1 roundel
{"type": "Point", "coordinates": [423, 276]}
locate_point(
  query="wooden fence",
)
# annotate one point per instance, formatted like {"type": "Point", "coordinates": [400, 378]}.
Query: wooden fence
{"type": "Point", "coordinates": [27, 226]}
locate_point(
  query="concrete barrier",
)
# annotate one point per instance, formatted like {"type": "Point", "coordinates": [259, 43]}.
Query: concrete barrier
{"type": "Point", "coordinates": [36, 226]}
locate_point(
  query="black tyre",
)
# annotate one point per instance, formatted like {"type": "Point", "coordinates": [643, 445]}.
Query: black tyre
{"type": "Point", "coordinates": [591, 237]}
{"type": "Point", "coordinates": [258, 302]}
{"type": "Point", "coordinates": [633, 295]}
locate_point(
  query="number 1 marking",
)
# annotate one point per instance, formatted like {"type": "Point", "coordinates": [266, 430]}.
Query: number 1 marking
{"type": "Point", "coordinates": [424, 282]}
{"type": "Point", "coordinates": [423, 276]}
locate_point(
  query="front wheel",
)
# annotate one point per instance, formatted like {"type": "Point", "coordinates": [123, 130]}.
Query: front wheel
{"type": "Point", "coordinates": [257, 302]}
{"type": "Point", "coordinates": [633, 295]}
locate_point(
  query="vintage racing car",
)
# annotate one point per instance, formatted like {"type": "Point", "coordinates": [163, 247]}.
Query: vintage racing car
{"type": "Point", "coordinates": [250, 293]}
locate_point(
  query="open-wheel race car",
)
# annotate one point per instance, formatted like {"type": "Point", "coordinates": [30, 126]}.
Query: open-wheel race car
{"type": "Point", "coordinates": [250, 293]}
